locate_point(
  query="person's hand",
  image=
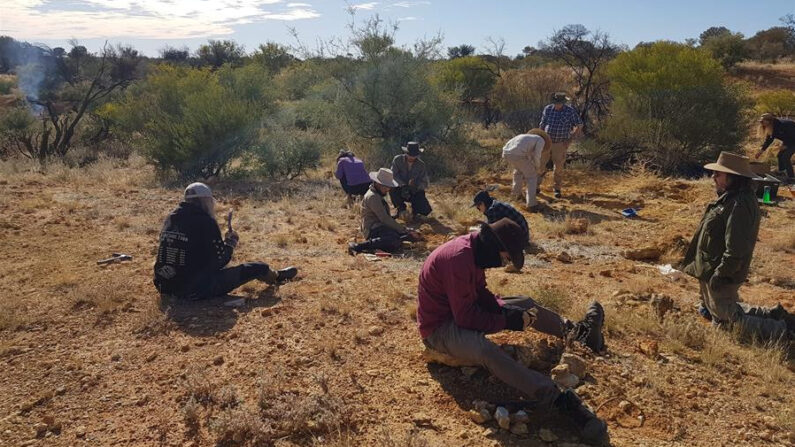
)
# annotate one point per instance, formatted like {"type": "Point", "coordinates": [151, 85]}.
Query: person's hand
{"type": "Point", "coordinates": [231, 238]}
{"type": "Point", "coordinates": [518, 319]}
{"type": "Point", "coordinates": [411, 182]}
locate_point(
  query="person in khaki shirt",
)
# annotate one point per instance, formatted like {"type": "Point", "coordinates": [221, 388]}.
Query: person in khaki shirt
{"type": "Point", "coordinates": [412, 178]}
{"type": "Point", "coordinates": [380, 229]}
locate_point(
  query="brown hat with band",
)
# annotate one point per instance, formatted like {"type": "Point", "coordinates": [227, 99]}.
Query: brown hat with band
{"type": "Point", "coordinates": [541, 133]}
{"type": "Point", "coordinates": [732, 164]}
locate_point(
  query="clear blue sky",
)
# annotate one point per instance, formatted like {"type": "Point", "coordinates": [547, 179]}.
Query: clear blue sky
{"type": "Point", "coordinates": [151, 24]}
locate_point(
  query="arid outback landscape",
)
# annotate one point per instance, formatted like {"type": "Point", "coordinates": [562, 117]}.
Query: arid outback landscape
{"type": "Point", "coordinates": [90, 357]}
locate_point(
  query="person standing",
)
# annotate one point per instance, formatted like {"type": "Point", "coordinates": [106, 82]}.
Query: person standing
{"type": "Point", "coordinates": [783, 130]}
{"type": "Point", "coordinates": [192, 257]}
{"type": "Point", "coordinates": [412, 178]}
{"type": "Point", "coordinates": [352, 175]}
{"type": "Point", "coordinates": [561, 122]}
{"type": "Point", "coordinates": [719, 255]}
{"type": "Point", "coordinates": [524, 152]}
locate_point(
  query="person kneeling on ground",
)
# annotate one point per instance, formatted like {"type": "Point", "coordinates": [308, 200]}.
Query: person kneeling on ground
{"type": "Point", "coordinates": [412, 178]}
{"type": "Point", "coordinates": [495, 210]}
{"type": "Point", "coordinates": [380, 229]}
{"type": "Point", "coordinates": [455, 310]}
{"type": "Point", "coordinates": [192, 257]}
{"type": "Point", "coordinates": [719, 255]}
{"type": "Point", "coordinates": [352, 175]}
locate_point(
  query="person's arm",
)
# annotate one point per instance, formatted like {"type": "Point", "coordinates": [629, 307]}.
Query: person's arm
{"type": "Point", "coordinates": [768, 141]}
{"type": "Point", "coordinates": [421, 177]}
{"type": "Point", "coordinates": [462, 294]}
{"type": "Point", "coordinates": [544, 118]}
{"type": "Point", "coordinates": [739, 243]}
{"type": "Point", "coordinates": [576, 120]}
{"type": "Point", "coordinates": [538, 149]}
{"type": "Point", "coordinates": [221, 250]}
{"type": "Point", "coordinates": [340, 171]}
{"type": "Point", "coordinates": [375, 204]}
{"type": "Point", "coordinates": [397, 170]}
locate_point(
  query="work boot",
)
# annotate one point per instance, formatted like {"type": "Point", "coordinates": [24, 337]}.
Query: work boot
{"type": "Point", "coordinates": [557, 193]}
{"type": "Point", "coordinates": [592, 429]}
{"type": "Point", "coordinates": [588, 331]}
{"type": "Point", "coordinates": [353, 248]}
{"type": "Point", "coordinates": [280, 276]}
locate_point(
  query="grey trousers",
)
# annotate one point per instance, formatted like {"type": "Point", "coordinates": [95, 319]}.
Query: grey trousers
{"type": "Point", "coordinates": [727, 310]}
{"type": "Point", "coordinates": [524, 171]}
{"type": "Point", "coordinates": [472, 346]}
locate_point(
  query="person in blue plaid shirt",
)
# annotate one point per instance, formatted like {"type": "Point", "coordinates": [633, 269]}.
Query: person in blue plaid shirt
{"type": "Point", "coordinates": [496, 210]}
{"type": "Point", "coordinates": [561, 122]}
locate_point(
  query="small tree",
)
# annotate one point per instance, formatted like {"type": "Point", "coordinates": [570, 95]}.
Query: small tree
{"type": "Point", "coordinates": [727, 47]}
{"type": "Point", "coordinates": [460, 51]}
{"type": "Point", "coordinates": [713, 32]}
{"type": "Point", "coordinates": [216, 53]}
{"type": "Point", "coordinates": [772, 43]}
{"type": "Point", "coordinates": [521, 94]}
{"type": "Point", "coordinates": [175, 55]}
{"type": "Point", "coordinates": [273, 56]}
{"type": "Point", "coordinates": [587, 54]}
{"type": "Point", "coordinates": [673, 108]}
{"type": "Point", "coordinates": [777, 102]}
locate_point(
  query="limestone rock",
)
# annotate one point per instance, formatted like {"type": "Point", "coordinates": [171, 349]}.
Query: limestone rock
{"type": "Point", "coordinates": [519, 428]}
{"type": "Point", "coordinates": [502, 417]}
{"type": "Point", "coordinates": [564, 257]}
{"type": "Point", "coordinates": [375, 330]}
{"type": "Point", "coordinates": [649, 348]}
{"type": "Point", "coordinates": [480, 416]}
{"type": "Point", "coordinates": [563, 377]}
{"type": "Point", "coordinates": [577, 365]}
{"type": "Point", "coordinates": [643, 254]}
{"type": "Point", "coordinates": [521, 417]}
{"type": "Point", "coordinates": [546, 435]}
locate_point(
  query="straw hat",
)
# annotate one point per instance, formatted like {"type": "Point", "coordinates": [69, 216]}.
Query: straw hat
{"type": "Point", "coordinates": [732, 164]}
{"type": "Point", "coordinates": [541, 133]}
{"type": "Point", "coordinates": [384, 177]}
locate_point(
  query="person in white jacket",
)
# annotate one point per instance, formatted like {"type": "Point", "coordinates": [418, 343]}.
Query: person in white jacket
{"type": "Point", "coordinates": [523, 154]}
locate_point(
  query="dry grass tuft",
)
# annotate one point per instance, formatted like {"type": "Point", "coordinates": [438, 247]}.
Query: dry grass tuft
{"type": "Point", "coordinates": [576, 225]}
{"type": "Point", "coordinates": [190, 415]}
{"type": "Point", "coordinates": [198, 386]}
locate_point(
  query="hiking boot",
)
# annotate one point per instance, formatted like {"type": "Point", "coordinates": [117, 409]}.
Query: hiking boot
{"type": "Point", "coordinates": [592, 429]}
{"type": "Point", "coordinates": [588, 331]}
{"type": "Point", "coordinates": [557, 193]}
{"type": "Point", "coordinates": [280, 276]}
{"type": "Point", "coordinates": [352, 248]}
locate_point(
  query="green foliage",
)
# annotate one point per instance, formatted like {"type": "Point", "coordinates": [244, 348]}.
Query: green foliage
{"type": "Point", "coordinates": [298, 80]}
{"type": "Point", "coordinates": [521, 94]}
{"type": "Point", "coordinates": [713, 32]}
{"type": "Point", "coordinates": [728, 48]}
{"type": "Point", "coordinates": [470, 77]}
{"type": "Point", "coordinates": [16, 128]}
{"type": "Point", "coordinates": [216, 53]}
{"type": "Point", "coordinates": [6, 85]}
{"type": "Point", "coordinates": [195, 121]}
{"type": "Point", "coordinates": [286, 153]}
{"type": "Point", "coordinates": [673, 108]}
{"type": "Point", "coordinates": [460, 51]}
{"type": "Point", "coordinates": [778, 102]}
{"type": "Point", "coordinates": [273, 57]}
{"type": "Point", "coordinates": [772, 43]}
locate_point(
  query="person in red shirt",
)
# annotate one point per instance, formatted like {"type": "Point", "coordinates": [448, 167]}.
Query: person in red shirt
{"type": "Point", "coordinates": [455, 310]}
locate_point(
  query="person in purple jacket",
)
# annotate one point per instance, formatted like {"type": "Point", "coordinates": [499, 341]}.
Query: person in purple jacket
{"type": "Point", "coordinates": [455, 310]}
{"type": "Point", "coordinates": [351, 173]}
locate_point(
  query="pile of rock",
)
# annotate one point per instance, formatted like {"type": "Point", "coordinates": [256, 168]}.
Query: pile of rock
{"type": "Point", "coordinates": [570, 371]}
{"type": "Point", "coordinates": [516, 422]}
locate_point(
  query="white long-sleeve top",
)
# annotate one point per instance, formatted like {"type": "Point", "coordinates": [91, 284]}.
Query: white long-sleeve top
{"type": "Point", "coordinates": [524, 145]}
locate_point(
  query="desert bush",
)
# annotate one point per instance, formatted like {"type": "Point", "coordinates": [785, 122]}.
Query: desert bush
{"type": "Point", "coordinates": [6, 85]}
{"type": "Point", "coordinates": [778, 102]}
{"type": "Point", "coordinates": [195, 121]}
{"type": "Point", "coordinates": [772, 43]}
{"type": "Point", "coordinates": [521, 94]}
{"type": "Point", "coordinates": [286, 153]}
{"type": "Point", "coordinates": [727, 48]}
{"type": "Point", "coordinates": [297, 80]}
{"type": "Point", "coordinates": [673, 109]}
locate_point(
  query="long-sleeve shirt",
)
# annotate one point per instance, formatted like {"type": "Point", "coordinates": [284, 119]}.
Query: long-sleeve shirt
{"type": "Point", "coordinates": [525, 145]}
{"type": "Point", "coordinates": [451, 286]}
{"type": "Point", "coordinates": [499, 210]}
{"type": "Point", "coordinates": [375, 212]}
{"type": "Point", "coordinates": [403, 172]}
{"type": "Point", "coordinates": [783, 130]}
{"type": "Point", "coordinates": [352, 170]}
{"type": "Point", "coordinates": [190, 247]}
{"type": "Point", "coordinates": [559, 123]}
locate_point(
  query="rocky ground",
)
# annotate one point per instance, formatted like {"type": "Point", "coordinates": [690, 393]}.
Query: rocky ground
{"type": "Point", "coordinates": [90, 357]}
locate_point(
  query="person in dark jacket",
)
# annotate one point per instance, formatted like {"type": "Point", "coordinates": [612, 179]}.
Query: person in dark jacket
{"type": "Point", "coordinates": [719, 255]}
{"type": "Point", "coordinates": [495, 210]}
{"type": "Point", "coordinates": [192, 257]}
{"type": "Point", "coordinates": [783, 130]}
{"type": "Point", "coordinates": [455, 310]}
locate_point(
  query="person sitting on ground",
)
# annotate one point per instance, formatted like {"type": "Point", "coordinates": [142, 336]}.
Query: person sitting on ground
{"type": "Point", "coordinates": [352, 175]}
{"type": "Point", "coordinates": [784, 130]}
{"type": "Point", "coordinates": [455, 309]}
{"type": "Point", "coordinates": [523, 152]}
{"type": "Point", "coordinates": [719, 255]}
{"type": "Point", "coordinates": [192, 257]}
{"type": "Point", "coordinates": [412, 178]}
{"type": "Point", "coordinates": [495, 210]}
{"type": "Point", "coordinates": [381, 231]}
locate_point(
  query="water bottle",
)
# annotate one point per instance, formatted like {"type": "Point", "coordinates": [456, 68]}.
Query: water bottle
{"type": "Point", "coordinates": [766, 195]}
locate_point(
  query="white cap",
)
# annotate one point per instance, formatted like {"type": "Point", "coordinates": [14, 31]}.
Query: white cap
{"type": "Point", "coordinates": [196, 190]}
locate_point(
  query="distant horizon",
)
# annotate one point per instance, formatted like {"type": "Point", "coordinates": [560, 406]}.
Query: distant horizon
{"type": "Point", "coordinates": [151, 25]}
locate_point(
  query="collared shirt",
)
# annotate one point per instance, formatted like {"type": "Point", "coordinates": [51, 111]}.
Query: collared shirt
{"type": "Point", "coordinates": [451, 286]}
{"type": "Point", "coordinates": [403, 172]}
{"type": "Point", "coordinates": [352, 170]}
{"type": "Point", "coordinates": [559, 123]}
{"type": "Point", "coordinates": [783, 130]}
{"type": "Point", "coordinates": [499, 210]}
{"type": "Point", "coordinates": [525, 145]}
{"type": "Point", "coordinates": [375, 212]}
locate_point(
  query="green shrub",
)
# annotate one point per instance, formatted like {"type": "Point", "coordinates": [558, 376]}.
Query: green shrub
{"type": "Point", "coordinates": [673, 108]}
{"type": "Point", "coordinates": [5, 86]}
{"type": "Point", "coordinates": [286, 153]}
{"type": "Point", "coordinates": [778, 102]}
{"type": "Point", "coordinates": [728, 48]}
{"type": "Point", "coordinates": [195, 121]}
{"type": "Point", "coordinates": [521, 94]}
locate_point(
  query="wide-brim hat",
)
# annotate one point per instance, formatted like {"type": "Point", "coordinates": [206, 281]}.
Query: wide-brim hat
{"type": "Point", "coordinates": [732, 164]}
{"type": "Point", "coordinates": [510, 236]}
{"type": "Point", "coordinates": [384, 177]}
{"type": "Point", "coordinates": [767, 117]}
{"type": "Point", "coordinates": [413, 148]}
{"type": "Point", "coordinates": [541, 133]}
{"type": "Point", "coordinates": [560, 97]}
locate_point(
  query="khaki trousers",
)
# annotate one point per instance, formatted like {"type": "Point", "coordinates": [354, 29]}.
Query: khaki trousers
{"type": "Point", "coordinates": [557, 153]}
{"type": "Point", "coordinates": [473, 347]}
{"type": "Point", "coordinates": [727, 310]}
{"type": "Point", "coordinates": [524, 172]}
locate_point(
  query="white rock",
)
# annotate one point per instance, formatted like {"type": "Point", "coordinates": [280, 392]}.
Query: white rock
{"type": "Point", "coordinates": [502, 417]}
{"type": "Point", "coordinates": [521, 417]}
{"type": "Point", "coordinates": [577, 365]}
{"type": "Point", "coordinates": [561, 375]}
{"type": "Point", "coordinates": [479, 417]}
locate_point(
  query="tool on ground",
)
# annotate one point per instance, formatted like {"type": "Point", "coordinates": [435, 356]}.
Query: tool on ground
{"type": "Point", "coordinates": [115, 257]}
{"type": "Point", "coordinates": [229, 221]}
